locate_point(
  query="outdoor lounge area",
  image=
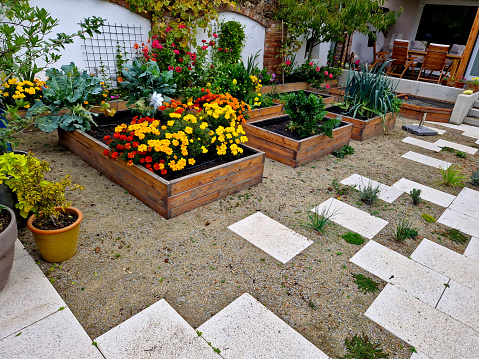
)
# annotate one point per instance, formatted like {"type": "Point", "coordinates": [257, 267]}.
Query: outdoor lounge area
{"type": "Point", "coordinates": [233, 204]}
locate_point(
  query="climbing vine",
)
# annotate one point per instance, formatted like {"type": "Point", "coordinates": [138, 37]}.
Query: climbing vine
{"type": "Point", "coordinates": [230, 41]}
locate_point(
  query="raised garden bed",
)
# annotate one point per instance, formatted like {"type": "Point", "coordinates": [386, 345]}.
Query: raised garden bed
{"type": "Point", "coordinates": [297, 86]}
{"type": "Point", "coordinates": [415, 107]}
{"type": "Point", "coordinates": [169, 197]}
{"type": "Point", "coordinates": [265, 112]}
{"type": "Point", "coordinates": [293, 151]}
{"type": "Point", "coordinates": [364, 128]}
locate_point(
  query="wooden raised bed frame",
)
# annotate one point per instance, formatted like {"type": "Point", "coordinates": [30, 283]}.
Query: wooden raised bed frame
{"type": "Point", "coordinates": [297, 86]}
{"type": "Point", "coordinates": [365, 129]}
{"type": "Point", "coordinates": [168, 198]}
{"type": "Point", "coordinates": [295, 152]}
{"type": "Point", "coordinates": [265, 112]}
{"type": "Point", "coordinates": [434, 114]}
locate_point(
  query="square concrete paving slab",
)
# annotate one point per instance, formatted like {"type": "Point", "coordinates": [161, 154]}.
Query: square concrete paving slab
{"type": "Point", "coordinates": [459, 221]}
{"type": "Point", "coordinates": [426, 160]}
{"type": "Point", "coordinates": [430, 331]}
{"type": "Point", "coordinates": [419, 356]}
{"type": "Point", "coordinates": [20, 250]}
{"type": "Point", "coordinates": [247, 329]}
{"type": "Point", "coordinates": [461, 303]}
{"type": "Point", "coordinates": [387, 194]}
{"type": "Point", "coordinates": [456, 146]}
{"type": "Point", "coordinates": [352, 218]}
{"type": "Point", "coordinates": [156, 332]}
{"type": "Point", "coordinates": [57, 336]}
{"type": "Point", "coordinates": [277, 240]}
{"type": "Point", "coordinates": [467, 202]}
{"type": "Point", "coordinates": [408, 275]}
{"type": "Point", "coordinates": [421, 143]}
{"type": "Point", "coordinates": [447, 262]}
{"type": "Point", "coordinates": [27, 297]}
{"type": "Point", "coordinates": [472, 249]}
{"type": "Point", "coordinates": [429, 194]}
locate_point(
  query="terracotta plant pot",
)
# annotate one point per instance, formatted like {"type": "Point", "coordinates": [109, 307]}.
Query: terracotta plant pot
{"type": "Point", "coordinates": [59, 244]}
{"type": "Point", "coordinates": [7, 249]}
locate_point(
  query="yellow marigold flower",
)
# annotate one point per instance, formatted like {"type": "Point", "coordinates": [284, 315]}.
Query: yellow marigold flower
{"type": "Point", "coordinates": [175, 142]}
{"type": "Point", "coordinates": [203, 125]}
{"type": "Point", "coordinates": [170, 123]}
{"type": "Point", "coordinates": [27, 106]}
{"type": "Point", "coordinates": [256, 99]}
{"type": "Point", "coordinates": [104, 95]}
{"type": "Point", "coordinates": [191, 161]}
{"type": "Point", "coordinates": [85, 102]}
{"type": "Point", "coordinates": [5, 94]}
{"type": "Point", "coordinates": [6, 86]}
{"type": "Point", "coordinates": [235, 82]}
{"type": "Point", "coordinates": [259, 94]}
{"type": "Point", "coordinates": [188, 130]}
{"type": "Point", "coordinates": [243, 139]}
{"type": "Point", "coordinates": [142, 148]}
{"type": "Point", "coordinates": [213, 139]}
{"type": "Point", "coordinates": [204, 149]}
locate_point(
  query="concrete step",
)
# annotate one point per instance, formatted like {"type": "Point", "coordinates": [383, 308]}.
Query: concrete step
{"type": "Point", "coordinates": [473, 121]}
{"type": "Point", "coordinates": [473, 112]}
{"type": "Point", "coordinates": [476, 104]}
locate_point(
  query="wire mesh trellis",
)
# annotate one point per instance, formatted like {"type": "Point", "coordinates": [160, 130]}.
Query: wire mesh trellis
{"type": "Point", "coordinates": [102, 50]}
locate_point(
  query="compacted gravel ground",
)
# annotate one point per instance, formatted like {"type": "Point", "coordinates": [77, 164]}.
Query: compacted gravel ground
{"type": "Point", "coordinates": [129, 257]}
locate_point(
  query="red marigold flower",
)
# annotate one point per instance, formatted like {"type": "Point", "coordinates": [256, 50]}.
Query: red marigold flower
{"type": "Point", "coordinates": [135, 144]}
{"type": "Point", "coordinates": [214, 35]}
{"type": "Point", "coordinates": [178, 69]}
{"type": "Point", "coordinates": [156, 166]}
{"type": "Point", "coordinates": [189, 68]}
{"type": "Point", "coordinates": [148, 166]}
{"type": "Point", "coordinates": [180, 60]}
{"type": "Point", "coordinates": [119, 147]}
{"type": "Point", "coordinates": [136, 46]}
{"type": "Point", "coordinates": [131, 155]}
{"type": "Point", "coordinates": [162, 108]}
{"type": "Point", "coordinates": [219, 49]}
{"type": "Point", "coordinates": [116, 135]}
{"type": "Point", "coordinates": [142, 160]}
{"type": "Point", "coordinates": [127, 145]}
{"type": "Point", "coordinates": [162, 161]}
{"type": "Point", "coordinates": [106, 152]}
{"type": "Point", "coordinates": [163, 172]}
{"type": "Point", "coordinates": [212, 43]}
{"type": "Point", "coordinates": [129, 138]}
{"type": "Point", "coordinates": [203, 41]}
{"type": "Point", "coordinates": [114, 155]}
{"type": "Point", "coordinates": [130, 163]}
{"type": "Point", "coordinates": [122, 137]}
{"type": "Point", "coordinates": [148, 159]}
{"type": "Point", "coordinates": [106, 138]}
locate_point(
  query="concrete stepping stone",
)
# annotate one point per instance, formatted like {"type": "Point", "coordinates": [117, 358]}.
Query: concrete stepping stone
{"type": "Point", "coordinates": [277, 240]}
{"type": "Point", "coordinates": [423, 326]}
{"type": "Point", "coordinates": [419, 356]}
{"type": "Point", "coordinates": [456, 146]}
{"type": "Point", "coordinates": [20, 250]}
{"type": "Point", "coordinates": [459, 221]}
{"type": "Point", "coordinates": [352, 218]}
{"type": "Point", "coordinates": [57, 336]}
{"type": "Point", "coordinates": [421, 143]}
{"type": "Point", "coordinates": [156, 332]}
{"type": "Point", "coordinates": [461, 303]}
{"type": "Point", "coordinates": [408, 275]}
{"type": "Point", "coordinates": [447, 262]}
{"type": "Point", "coordinates": [426, 160]}
{"type": "Point", "coordinates": [27, 297]}
{"type": "Point", "coordinates": [247, 329]}
{"type": "Point", "coordinates": [387, 193]}
{"type": "Point", "coordinates": [472, 249]}
{"type": "Point", "coordinates": [467, 202]}
{"type": "Point", "coordinates": [427, 193]}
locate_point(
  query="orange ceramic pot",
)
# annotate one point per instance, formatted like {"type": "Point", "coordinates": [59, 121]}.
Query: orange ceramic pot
{"type": "Point", "coordinates": [59, 244]}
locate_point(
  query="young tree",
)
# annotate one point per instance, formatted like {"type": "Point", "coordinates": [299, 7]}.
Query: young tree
{"type": "Point", "coordinates": [329, 20]}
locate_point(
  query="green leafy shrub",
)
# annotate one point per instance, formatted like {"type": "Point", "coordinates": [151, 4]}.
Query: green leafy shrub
{"type": "Point", "coordinates": [343, 151]}
{"type": "Point", "coordinates": [404, 230]}
{"type": "Point", "coordinates": [461, 154]}
{"type": "Point", "coordinates": [448, 149]}
{"type": "Point", "coordinates": [369, 194]}
{"type": "Point", "coordinates": [359, 347]}
{"type": "Point", "coordinates": [318, 221]}
{"type": "Point", "coordinates": [452, 176]}
{"type": "Point", "coordinates": [475, 178]}
{"type": "Point", "coordinates": [230, 41]}
{"type": "Point", "coordinates": [428, 218]}
{"type": "Point", "coordinates": [365, 284]}
{"type": "Point", "coordinates": [353, 238]}
{"type": "Point", "coordinates": [307, 115]}
{"type": "Point", "coordinates": [416, 196]}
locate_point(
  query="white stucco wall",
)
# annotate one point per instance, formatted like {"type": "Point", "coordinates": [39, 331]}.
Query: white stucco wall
{"type": "Point", "coordinates": [360, 46]}
{"type": "Point", "coordinates": [319, 53]}
{"type": "Point", "coordinates": [71, 12]}
{"type": "Point", "coordinates": [254, 31]}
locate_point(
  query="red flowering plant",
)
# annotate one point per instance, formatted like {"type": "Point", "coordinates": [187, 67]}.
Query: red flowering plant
{"type": "Point", "coordinates": [185, 133]}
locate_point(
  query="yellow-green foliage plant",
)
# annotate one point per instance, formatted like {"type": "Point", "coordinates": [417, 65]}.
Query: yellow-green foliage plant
{"type": "Point", "coordinates": [37, 195]}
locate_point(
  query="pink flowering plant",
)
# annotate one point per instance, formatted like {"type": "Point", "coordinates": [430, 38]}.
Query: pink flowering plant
{"type": "Point", "coordinates": [313, 74]}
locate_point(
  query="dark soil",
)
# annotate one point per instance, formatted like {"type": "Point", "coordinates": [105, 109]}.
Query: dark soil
{"type": "Point", "coordinates": [427, 102]}
{"type": "Point", "coordinates": [5, 219]}
{"type": "Point", "coordinates": [339, 111]}
{"type": "Point", "coordinates": [280, 127]}
{"type": "Point", "coordinates": [106, 126]}
{"type": "Point", "coordinates": [64, 220]}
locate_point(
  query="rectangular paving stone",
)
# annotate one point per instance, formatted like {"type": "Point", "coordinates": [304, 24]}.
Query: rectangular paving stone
{"type": "Point", "coordinates": [352, 218]}
{"type": "Point", "coordinates": [387, 194]}
{"type": "Point", "coordinates": [408, 275]}
{"type": "Point", "coordinates": [447, 262]}
{"type": "Point", "coordinates": [422, 326]}
{"type": "Point", "coordinates": [277, 240]}
{"type": "Point", "coordinates": [57, 336]}
{"type": "Point", "coordinates": [247, 329]}
{"type": "Point", "coordinates": [27, 297]}
{"type": "Point", "coordinates": [156, 332]}
{"type": "Point", "coordinates": [467, 202]}
{"type": "Point", "coordinates": [20, 250]}
{"type": "Point", "coordinates": [461, 303]}
{"type": "Point", "coordinates": [419, 356]}
{"type": "Point", "coordinates": [429, 194]}
{"type": "Point", "coordinates": [426, 160]}
{"type": "Point", "coordinates": [472, 249]}
{"type": "Point", "coordinates": [421, 143]}
{"type": "Point", "coordinates": [456, 146]}
{"type": "Point", "coordinates": [459, 221]}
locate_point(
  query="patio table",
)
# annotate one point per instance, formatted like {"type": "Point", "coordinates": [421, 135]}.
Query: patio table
{"type": "Point", "coordinates": [456, 60]}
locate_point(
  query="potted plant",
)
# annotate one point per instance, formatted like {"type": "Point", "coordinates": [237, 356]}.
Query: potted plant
{"type": "Point", "coordinates": [473, 84]}
{"type": "Point", "coordinates": [55, 225]}
{"type": "Point", "coordinates": [8, 235]}
{"type": "Point", "coordinates": [370, 103]}
{"type": "Point", "coordinates": [301, 136]}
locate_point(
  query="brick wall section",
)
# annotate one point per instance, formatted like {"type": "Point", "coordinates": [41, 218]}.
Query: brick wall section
{"type": "Point", "coordinates": [339, 51]}
{"type": "Point", "coordinates": [125, 4]}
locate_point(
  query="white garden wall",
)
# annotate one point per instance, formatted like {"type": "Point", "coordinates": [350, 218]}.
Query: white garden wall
{"type": "Point", "coordinates": [71, 12]}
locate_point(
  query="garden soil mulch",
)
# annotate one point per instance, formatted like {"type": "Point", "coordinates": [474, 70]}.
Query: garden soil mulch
{"type": "Point", "coordinates": [129, 257]}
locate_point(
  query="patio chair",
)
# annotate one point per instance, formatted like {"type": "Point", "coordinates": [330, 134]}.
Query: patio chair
{"type": "Point", "coordinates": [418, 46]}
{"type": "Point", "coordinates": [400, 59]}
{"type": "Point", "coordinates": [455, 50]}
{"type": "Point", "coordinates": [379, 56]}
{"type": "Point", "coordinates": [435, 60]}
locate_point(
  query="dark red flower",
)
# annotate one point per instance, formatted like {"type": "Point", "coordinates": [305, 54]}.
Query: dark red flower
{"type": "Point", "coordinates": [106, 152]}
{"type": "Point", "coordinates": [114, 155]}
{"type": "Point", "coordinates": [148, 159]}
{"type": "Point", "coordinates": [116, 135]}
{"type": "Point", "coordinates": [178, 69]}
{"type": "Point", "coordinates": [106, 138]}
{"type": "Point", "coordinates": [180, 60]}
